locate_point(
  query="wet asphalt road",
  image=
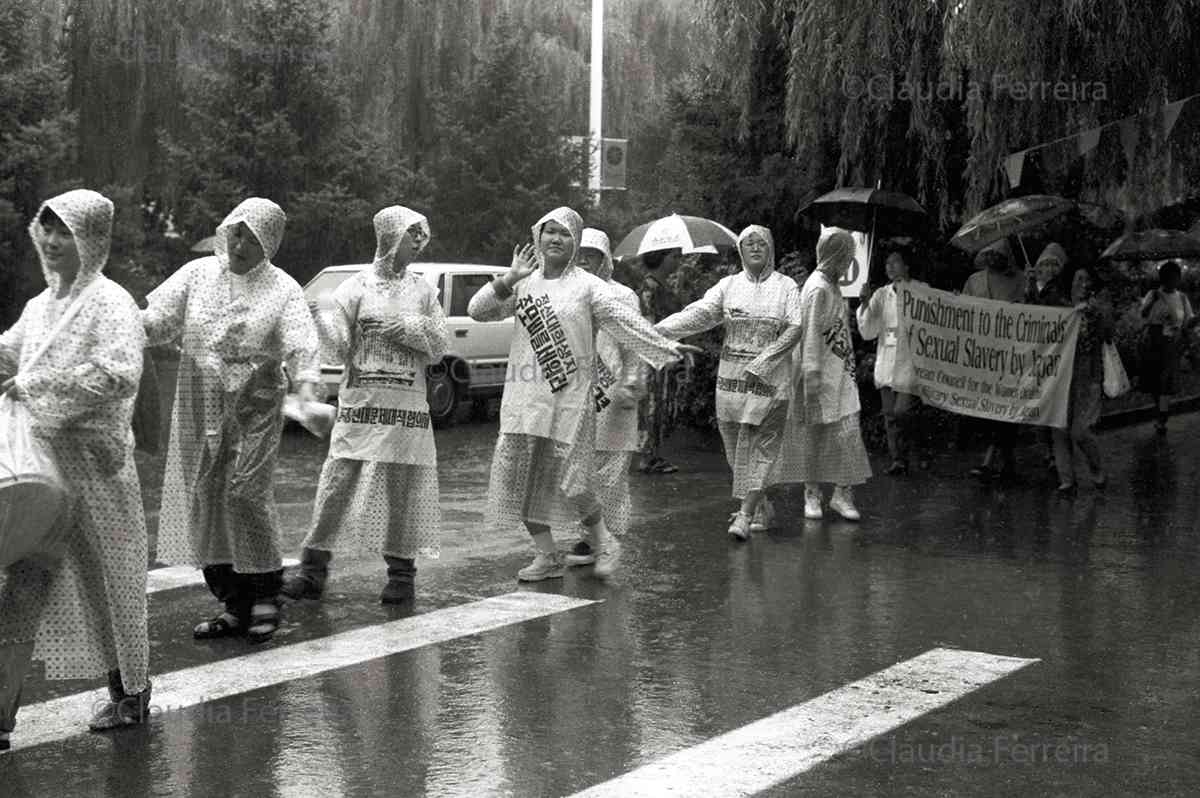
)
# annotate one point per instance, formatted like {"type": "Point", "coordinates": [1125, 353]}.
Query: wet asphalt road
{"type": "Point", "coordinates": [700, 636]}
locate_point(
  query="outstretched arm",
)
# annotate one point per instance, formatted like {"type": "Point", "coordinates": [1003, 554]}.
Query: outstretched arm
{"type": "Point", "coordinates": [705, 313]}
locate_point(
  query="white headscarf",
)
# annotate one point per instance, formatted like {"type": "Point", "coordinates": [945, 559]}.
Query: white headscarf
{"type": "Point", "coordinates": [765, 234]}
{"type": "Point", "coordinates": [391, 224]}
{"type": "Point", "coordinates": [89, 217]}
{"type": "Point", "coordinates": [592, 238]}
{"type": "Point", "coordinates": [264, 218]}
{"type": "Point", "coordinates": [568, 219]}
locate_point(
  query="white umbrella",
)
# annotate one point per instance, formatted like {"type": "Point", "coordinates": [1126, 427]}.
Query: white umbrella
{"type": "Point", "coordinates": [691, 234]}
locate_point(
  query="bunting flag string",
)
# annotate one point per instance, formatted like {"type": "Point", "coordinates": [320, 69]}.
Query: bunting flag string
{"type": "Point", "coordinates": [1088, 140]}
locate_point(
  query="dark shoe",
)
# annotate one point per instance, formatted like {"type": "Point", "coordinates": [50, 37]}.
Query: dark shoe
{"type": "Point", "coordinates": [1067, 489]}
{"type": "Point", "coordinates": [897, 468]}
{"type": "Point", "coordinates": [264, 622]}
{"type": "Point", "coordinates": [1100, 484]}
{"type": "Point", "coordinates": [397, 592]}
{"type": "Point", "coordinates": [220, 626]}
{"type": "Point", "coordinates": [400, 589]}
{"type": "Point", "coordinates": [131, 710]}
{"type": "Point", "coordinates": [309, 581]}
{"type": "Point", "coordinates": [581, 554]}
{"type": "Point", "coordinates": [5, 744]}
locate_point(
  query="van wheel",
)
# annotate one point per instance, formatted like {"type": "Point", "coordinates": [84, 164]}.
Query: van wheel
{"type": "Point", "coordinates": [442, 394]}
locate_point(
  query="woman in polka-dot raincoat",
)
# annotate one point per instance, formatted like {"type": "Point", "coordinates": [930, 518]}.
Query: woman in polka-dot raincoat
{"type": "Point", "coordinates": [83, 615]}
{"type": "Point", "coordinates": [379, 486]}
{"type": "Point", "coordinates": [241, 321]}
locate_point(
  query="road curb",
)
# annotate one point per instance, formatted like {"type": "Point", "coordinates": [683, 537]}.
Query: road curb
{"type": "Point", "coordinates": [1143, 413]}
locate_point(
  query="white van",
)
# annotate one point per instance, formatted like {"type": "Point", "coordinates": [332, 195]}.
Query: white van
{"type": "Point", "coordinates": [477, 358]}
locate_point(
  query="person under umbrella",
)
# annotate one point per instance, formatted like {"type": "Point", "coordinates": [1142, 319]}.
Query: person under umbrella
{"type": "Point", "coordinates": [760, 311]}
{"type": "Point", "coordinates": [657, 410]}
{"type": "Point", "coordinates": [822, 440]}
{"type": "Point", "coordinates": [1167, 315]}
{"type": "Point", "coordinates": [1076, 445]}
{"type": "Point", "coordinates": [543, 470]}
{"type": "Point", "coordinates": [878, 318]}
{"type": "Point", "coordinates": [379, 485]}
{"type": "Point", "coordinates": [241, 320]}
{"type": "Point", "coordinates": [999, 279]}
{"type": "Point", "coordinates": [1045, 288]}
{"type": "Point", "coordinates": [81, 606]}
{"type": "Point", "coordinates": [616, 402]}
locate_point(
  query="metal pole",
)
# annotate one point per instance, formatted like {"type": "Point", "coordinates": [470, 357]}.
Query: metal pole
{"type": "Point", "coordinates": [596, 115]}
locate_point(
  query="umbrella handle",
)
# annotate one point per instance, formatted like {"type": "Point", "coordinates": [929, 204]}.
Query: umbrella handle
{"type": "Point", "coordinates": [1021, 242]}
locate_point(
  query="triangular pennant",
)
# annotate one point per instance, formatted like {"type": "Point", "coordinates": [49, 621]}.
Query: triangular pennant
{"type": "Point", "coordinates": [1171, 116]}
{"type": "Point", "coordinates": [1015, 164]}
{"type": "Point", "coordinates": [1087, 140]}
{"type": "Point", "coordinates": [1129, 139]}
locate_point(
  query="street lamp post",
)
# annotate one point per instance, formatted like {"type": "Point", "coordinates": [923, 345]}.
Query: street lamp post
{"type": "Point", "coordinates": [596, 115]}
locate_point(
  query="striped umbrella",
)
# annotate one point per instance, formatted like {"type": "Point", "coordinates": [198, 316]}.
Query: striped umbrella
{"type": "Point", "coordinates": [691, 234]}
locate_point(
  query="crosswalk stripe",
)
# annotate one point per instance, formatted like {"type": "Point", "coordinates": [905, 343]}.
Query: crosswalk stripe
{"type": "Point", "coordinates": [160, 579]}
{"type": "Point", "coordinates": [61, 718]}
{"type": "Point", "coordinates": [770, 751]}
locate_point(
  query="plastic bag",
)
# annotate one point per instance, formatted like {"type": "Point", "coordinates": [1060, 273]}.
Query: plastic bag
{"type": "Point", "coordinates": [33, 495]}
{"type": "Point", "coordinates": [1116, 381]}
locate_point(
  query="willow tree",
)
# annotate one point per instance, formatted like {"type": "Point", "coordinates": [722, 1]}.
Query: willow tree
{"type": "Point", "coordinates": [928, 95]}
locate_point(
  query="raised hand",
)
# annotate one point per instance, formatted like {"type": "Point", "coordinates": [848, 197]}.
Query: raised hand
{"type": "Point", "coordinates": [524, 263]}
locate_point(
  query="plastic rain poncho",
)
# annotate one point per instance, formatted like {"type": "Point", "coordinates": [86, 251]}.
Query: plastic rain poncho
{"type": "Point", "coordinates": [822, 441]}
{"type": "Point", "coordinates": [92, 608]}
{"type": "Point", "coordinates": [761, 318]}
{"type": "Point", "coordinates": [237, 334]}
{"type": "Point", "coordinates": [617, 372]}
{"type": "Point", "coordinates": [379, 485]}
{"type": "Point", "coordinates": [543, 467]}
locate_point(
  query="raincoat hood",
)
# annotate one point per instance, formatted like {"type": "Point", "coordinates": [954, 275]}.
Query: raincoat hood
{"type": "Point", "coordinates": [1054, 251]}
{"type": "Point", "coordinates": [264, 218]}
{"type": "Point", "coordinates": [994, 252]}
{"type": "Point", "coordinates": [568, 219]}
{"type": "Point", "coordinates": [391, 224]}
{"type": "Point", "coordinates": [89, 217]}
{"type": "Point", "coordinates": [765, 234]}
{"type": "Point", "coordinates": [835, 248]}
{"type": "Point", "coordinates": [598, 239]}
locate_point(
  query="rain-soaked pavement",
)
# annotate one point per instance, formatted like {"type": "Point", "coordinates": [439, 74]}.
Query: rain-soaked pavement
{"type": "Point", "coordinates": [699, 637]}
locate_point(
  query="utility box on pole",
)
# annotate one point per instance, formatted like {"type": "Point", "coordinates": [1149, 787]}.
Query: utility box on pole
{"type": "Point", "coordinates": [615, 154]}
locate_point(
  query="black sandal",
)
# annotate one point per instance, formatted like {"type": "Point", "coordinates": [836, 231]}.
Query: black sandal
{"type": "Point", "coordinates": [264, 622]}
{"type": "Point", "coordinates": [219, 626]}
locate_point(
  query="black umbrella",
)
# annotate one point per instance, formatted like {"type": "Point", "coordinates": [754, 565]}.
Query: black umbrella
{"type": "Point", "coordinates": [869, 210]}
{"type": "Point", "coordinates": [1153, 245]}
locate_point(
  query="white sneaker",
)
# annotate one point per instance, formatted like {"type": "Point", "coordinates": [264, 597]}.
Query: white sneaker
{"type": "Point", "coordinates": [812, 506]}
{"type": "Point", "coordinates": [607, 559]}
{"type": "Point", "coordinates": [761, 520]}
{"type": "Point", "coordinates": [544, 566]}
{"type": "Point", "coordinates": [739, 526]}
{"type": "Point", "coordinates": [843, 505]}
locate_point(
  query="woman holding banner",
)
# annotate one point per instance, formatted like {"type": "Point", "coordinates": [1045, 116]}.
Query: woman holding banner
{"type": "Point", "coordinates": [822, 441]}
{"type": "Point", "coordinates": [999, 279]}
{"type": "Point", "coordinates": [878, 319]}
{"type": "Point", "coordinates": [1076, 445]}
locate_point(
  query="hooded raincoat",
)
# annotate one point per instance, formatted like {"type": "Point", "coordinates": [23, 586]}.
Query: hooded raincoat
{"type": "Point", "coordinates": [617, 371]}
{"type": "Point", "coordinates": [822, 441]}
{"type": "Point", "coordinates": [543, 470]}
{"type": "Point", "coordinates": [237, 334]}
{"type": "Point", "coordinates": [379, 486]}
{"type": "Point", "coordinates": [80, 393]}
{"type": "Point", "coordinates": [761, 316]}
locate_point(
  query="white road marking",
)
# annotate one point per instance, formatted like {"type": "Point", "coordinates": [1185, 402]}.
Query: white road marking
{"type": "Point", "coordinates": [770, 751]}
{"type": "Point", "coordinates": [159, 579]}
{"type": "Point", "coordinates": [175, 692]}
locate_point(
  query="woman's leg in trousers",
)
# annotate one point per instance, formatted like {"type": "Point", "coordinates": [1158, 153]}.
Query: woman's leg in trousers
{"type": "Point", "coordinates": [1063, 462]}
{"type": "Point", "coordinates": [21, 604]}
